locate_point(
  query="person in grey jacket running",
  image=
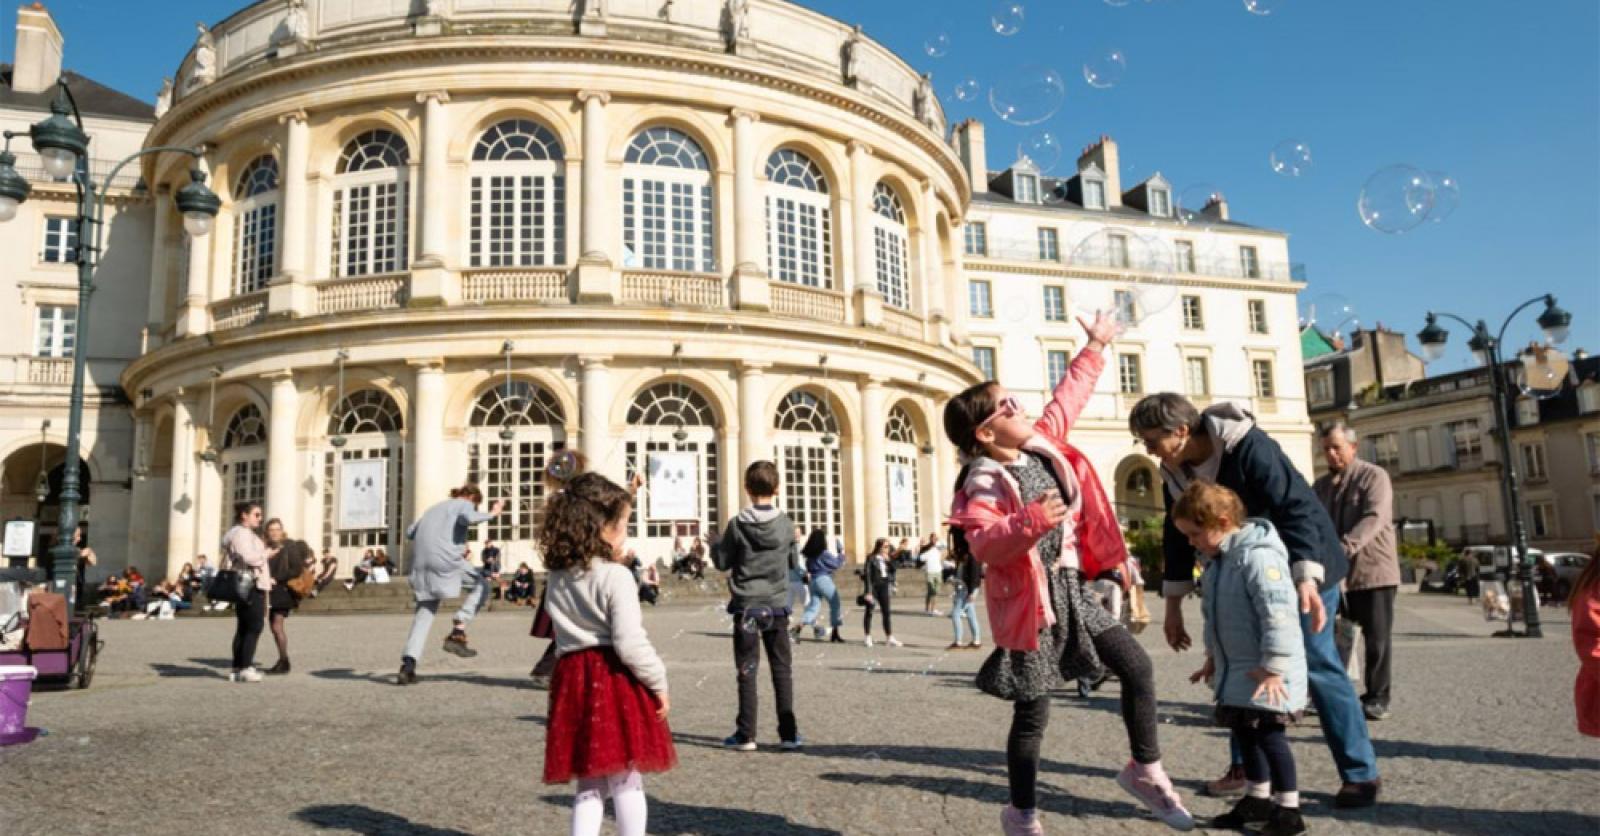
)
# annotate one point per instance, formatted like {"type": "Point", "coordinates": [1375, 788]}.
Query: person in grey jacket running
{"type": "Point", "coordinates": [438, 568]}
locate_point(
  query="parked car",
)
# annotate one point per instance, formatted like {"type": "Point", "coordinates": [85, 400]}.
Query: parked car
{"type": "Point", "coordinates": [1493, 559]}
{"type": "Point", "coordinates": [1568, 565]}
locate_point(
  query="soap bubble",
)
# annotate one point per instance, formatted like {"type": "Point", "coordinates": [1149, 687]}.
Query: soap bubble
{"type": "Point", "coordinates": [1291, 158]}
{"type": "Point", "coordinates": [1261, 7]}
{"type": "Point", "coordinates": [1106, 68]}
{"type": "Point", "coordinates": [937, 46]}
{"type": "Point", "coordinates": [1395, 199]}
{"type": "Point", "coordinates": [1149, 287]}
{"type": "Point", "coordinates": [1446, 196]}
{"type": "Point", "coordinates": [967, 89]}
{"type": "Point", "coordinates": [1016, 308]}
{"type": "Point", "coordinates": [563, 466]}
{"type": "Point", "coordinates": [1193, 201]}
{"type": "Point", "coordinates": [1336, 315]}
{"type": "Point", "coordinates": [1006, 17]}
{"type": "Point", "coordinates": [1029, 95]}
{"type": "Point", "coordinates": [1044, 148]}
{"type": "Point", "coordinates": [1544, 371]}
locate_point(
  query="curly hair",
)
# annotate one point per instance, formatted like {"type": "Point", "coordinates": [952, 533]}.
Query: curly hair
{"type": "Point", "coordinates": [576, 516]}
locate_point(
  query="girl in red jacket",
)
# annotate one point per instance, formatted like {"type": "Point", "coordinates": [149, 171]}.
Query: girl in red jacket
{"type": "Point", "coordinates": [1035, 514]}
{"type": "Point", "coordinates": [1584, 601]}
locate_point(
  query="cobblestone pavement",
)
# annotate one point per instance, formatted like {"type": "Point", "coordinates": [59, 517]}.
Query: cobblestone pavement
{"type": "Point", "coordinates": [898, 741]}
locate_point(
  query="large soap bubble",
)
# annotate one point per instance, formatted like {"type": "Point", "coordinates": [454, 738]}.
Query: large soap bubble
{"type": "Point", "coordinates": [1544, 371]}
{"type": "Point", "coordinates": [1028, 95]}
{"type": "Point", "coordinates": [1395, 199]}
{"type": "Point", "coordinates": [1148, 263]}
{"type": "Point", "coordinates": [1043, 148]}
{"type": "Point", "coordinates": [1006, 16]}
{"type": "Point", "coordinates": [1106, 68]}
{"type": "Point", "coordinates": [1291, 158]}
{"type": "Point", "coordinates": [1446, 196]}
{"type": "Point", "coordinates": [968, 89]}
{"type": "Point", "coordinates": [937, 46]}
{"type": "Point", "coordinates": [1195, 202]}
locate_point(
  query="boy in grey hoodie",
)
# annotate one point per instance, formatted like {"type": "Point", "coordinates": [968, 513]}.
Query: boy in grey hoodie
{"type": "Point", "coordinates": [758, 550]}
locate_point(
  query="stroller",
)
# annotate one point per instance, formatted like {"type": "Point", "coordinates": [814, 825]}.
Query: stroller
{"type": "Point", "coordinates": [35, 630]}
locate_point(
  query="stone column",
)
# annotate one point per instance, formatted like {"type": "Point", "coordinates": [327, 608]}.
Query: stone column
{"type": "Point", "coordinates": [594, 411]}
{"type": "Point", "coordinates": [875, 478]}
{"type": "Point", "coordinates": [432, 283]}
{"type": "Point", "coordinates": [597, 280]}
{"type": "Point", "coordinates": [750, 290]}
{"type": "Point", "coordinates": [427, 435]}
{"type": "Point", "coordinates": [283, 476]}
{"type": "Point", "coordinates": [156, 311]}
{"type": "Point", "coordinates": [180, 505]}
{"type": "Point", "coordinates": [754, 441]}
{"type": "Point", "coordinates": [933, 301]}
{"type": "Point", "coordinates": [288, 294]}
{"type": "Point", "coordinates": [867, 301]}
{"type": "Point", "coordinates": [142, 506]}
{"type": "Point", "coordinates": [958, 308]}
{"type": "Point", "coordinates": [194, 317]}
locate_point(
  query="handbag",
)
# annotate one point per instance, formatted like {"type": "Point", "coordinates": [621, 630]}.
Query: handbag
{"type": "Point", "coordinates": [302, 584]}
{"type": "Point", "coordinates": [231, 587]}
{"type": "Point", "coordinates": [1138, 615]}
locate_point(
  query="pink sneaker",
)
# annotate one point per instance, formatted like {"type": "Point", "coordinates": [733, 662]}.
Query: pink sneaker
{"type": "Point", "coordinates": [1014, 822]}
{"type": "Point", "coordinates": [1151, 786]}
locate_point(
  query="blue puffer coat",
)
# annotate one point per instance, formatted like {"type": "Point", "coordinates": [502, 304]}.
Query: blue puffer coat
{"type": "Point", "coordinates": [1253, 618]}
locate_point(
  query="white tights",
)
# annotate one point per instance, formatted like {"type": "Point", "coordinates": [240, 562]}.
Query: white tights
{"type": "Point", "coordinates": [627, 801]}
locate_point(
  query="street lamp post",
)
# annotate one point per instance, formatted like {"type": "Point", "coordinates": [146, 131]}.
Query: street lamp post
{"type": "Point", "coordinates": [1486, 348]}
{"type": "Point", "coordinates": [63, 148]}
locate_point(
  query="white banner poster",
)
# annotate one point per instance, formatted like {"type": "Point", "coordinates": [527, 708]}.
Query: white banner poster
{"type": "Point", "coordinates": [674, 486]}
{"type": "Point", "coordinates": [902, 496]}
{"type": "Point", "coordinates": [19, 538]}
{"type": "Point", "coordinates": [363, 485]}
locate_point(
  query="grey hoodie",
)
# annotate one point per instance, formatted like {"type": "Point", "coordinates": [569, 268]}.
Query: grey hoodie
{"type": "Point", "coordinates": [757, 550]}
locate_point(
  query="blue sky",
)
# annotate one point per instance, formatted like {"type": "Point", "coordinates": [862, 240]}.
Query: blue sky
{"type": "Point", "coordinates": [1502, 94]}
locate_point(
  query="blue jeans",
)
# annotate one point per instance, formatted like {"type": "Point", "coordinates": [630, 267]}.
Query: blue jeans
{"type": "Point", "coordinates": [961, 607]}
{"type": "Point", "coordinates": [822, 587]}
{"type": "Point", "coordinates": [1344, 725]}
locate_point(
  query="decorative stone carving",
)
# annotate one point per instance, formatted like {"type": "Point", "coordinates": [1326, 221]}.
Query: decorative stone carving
{"type": "Point", "coordinates": [204, 69]}
{"type": "Point", "coordinates": [164, 98]}
{"type": "Point", "coordinates": [295, 31]}
{"type": "Point", "coordinates": [591, 17]}
{"type": "Point", "coordinates": [851, 55]}
{"type": "Point", "coordinates": [736, 25]}
{"type": "Point", "coordinates": [434, 8]}
{"type": "Point", "coordinates": [926, 104]}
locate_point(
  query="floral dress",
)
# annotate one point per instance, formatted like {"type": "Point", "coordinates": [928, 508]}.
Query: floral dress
{"type": "Point", "coordinates": [1066, 648]}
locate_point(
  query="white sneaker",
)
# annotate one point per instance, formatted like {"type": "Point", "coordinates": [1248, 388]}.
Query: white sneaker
{"type": "Point", "coordinates": [869, 641]}
{"type": "Point", "coordinates": [247, 675]}
{"type": "Point", "coordinates": [894, 642]}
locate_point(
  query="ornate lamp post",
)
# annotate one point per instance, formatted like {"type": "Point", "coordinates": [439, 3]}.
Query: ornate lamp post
{"type": "Point", "coordinates": [63, 147]}
{"type": "Point", "coordinates": [1486, 348]}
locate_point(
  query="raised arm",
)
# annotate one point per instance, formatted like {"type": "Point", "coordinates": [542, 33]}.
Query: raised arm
{"type": "Point", "coordinates": [1072, 393]}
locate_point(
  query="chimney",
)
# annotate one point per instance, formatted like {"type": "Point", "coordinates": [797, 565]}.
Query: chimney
{"type": "Point", "coordinates": [1216, 207]}
{"type": "Point", "coordinates": [969, 144]}
{"type": "Point", "coordinates": [1103, 153]}
{"type": "Point", "coordinates": [39, 45]}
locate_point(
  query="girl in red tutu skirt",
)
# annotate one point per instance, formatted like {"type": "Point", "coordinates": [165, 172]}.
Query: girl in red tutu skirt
{"type": "Point", "coordinates": [608, 696]}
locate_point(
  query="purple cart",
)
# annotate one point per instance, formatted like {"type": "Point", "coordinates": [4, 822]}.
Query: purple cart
{"type": "Point", "coordinates": [72, 666]}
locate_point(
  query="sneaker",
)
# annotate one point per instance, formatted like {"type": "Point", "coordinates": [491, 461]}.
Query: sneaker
{"type": "Point", "coordinates": [1284, 821]}
{"type": "Point", "coordinates": [894, 642]}
{"type": "Point", "coordinates": [819, 634]}
{"type": "Point", "coordinates": [408, 672]}
{"type": "Point", "coordinates": [1151, 786]}
{"type": "Point", "coordinates": [457, 643]}
{"type": "Point", "coordinates": [955, 646]}
{"type": "Point", "coordinates": [869, 641]}
{"type": "Point", "coordinates": [1083, 689]}
{"type": "Point", "coordinates": [738, 744]}
{"type": "Point", "coordinates": [1014, 822]}
{"type": "Point", "coordinates": [1231, 784]}
{"type": "Point", "coordinates": [975, 646]}
{"type": "Point", "coordinates": [792, 745]}
{"type": "Point", "coordinates": [349, 585]}
{"type": "Point", "coordinates": [935, 613]}
{"type": "Point", "coordinates": [1375, 711]}
{"type": "Point", "coordinates": [1356, 794]}
{"type": "Point", "coordinates": [1246, 811]}
{"type": "Point", "coordinates": [247, 675]}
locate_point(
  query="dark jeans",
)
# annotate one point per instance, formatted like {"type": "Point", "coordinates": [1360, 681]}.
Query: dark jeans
{"type": "Point", "coordinates": [747, 646]}
{"type": "Point", "coordinates": [1373, 609]}
{"type": "Point", "coordinates": [250, 619]}
{"type": "Point", "coordinates": [1264, 745]}
{"type": "Point", "coordinates": [880, 600]}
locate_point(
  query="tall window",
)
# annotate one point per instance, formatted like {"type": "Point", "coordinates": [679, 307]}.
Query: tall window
{"type": "Point", "coordinates": [1094, 194]}
{"type": "Point", "coordinates": [55, 331]}
{"type": "Point", "coordinates": [1193, 317]}
{"type": "Point", "coordinates": [518, 197]}
{"type": "Point", "coordinates": [1261, 377]}
{"type": "Point", "coordinates": [1527, 412]}
{"type": "Point", "coordinates": [512, 469]}
{"type": "Point", "coordinates": [1185, 256]}
{"type": "Point", "coordinates": [1422, 447]}
{"type": "Point", "coordinates": [255, 226]}
{"type": "Point", "coordinates": [1466, 442]}
{"type": "Point", "coordinates": [980, 298]}
{"type": "Point", "coordinates": [1055, 303]}
{"type": "Point", "coordinates": [1542, 519]}
{"type": "Point", "coordinates": [1055, 363]}
{"type": "Point", "coordinates": [1592, 442]}
{"type": "Point", "coordinates": [60, 241]}
{"type": "Point", "coordinates": [1130, 380]}
{"type": "Point", "coordinates": [654, 418]}
{"type": "Point", "coordinates": [1027, 188]}
{"type": "Point", "coordinates": [1049, 245]}
{"type": "Point", "coordinates": [900, 457]}
{"type": "Point", "coordinates": [1533, 462]}
{"type": "Point", "coordinates": [1122, 302]}
{"type": "Point", "coordinates": [1385, 450]}
{"type": "Point", "coordinates": [983, 357]}
{"type": "Point", "coordinates": [809, 466]}
{"type": "Point", "coordinates": [1249, 263]}
{"type": "Point", "coordinates": [976, 236]}
{"type": "Point", "coordinates": [667, 207]}
{"type": "Point", "coordinates": [1196, 376]}
{"type": "Point", "coordinates": [371, 206]}
{"type": "Point", "coordinates": [799, 221]}
{"type": "Point", "coordinates": [1160, 203]}
{"type": "Point", "coordinates": [889, 237]}
{"type": "Point", "coordinates": [1117, 250]}
{"type": "Point", "coordinates": [1320, 386]}
{"type": "Point", "coordinates": [371, 423]}
{"type": "Point", "coordinates": [1258, 316]}
{"type": "Point", "coordinates": [244, 460]}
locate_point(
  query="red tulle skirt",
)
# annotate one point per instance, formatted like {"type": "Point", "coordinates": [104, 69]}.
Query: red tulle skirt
{"type": "Point", "coordinates": [602, 721]}
{"type": "Point", "coordinates": [1586, 696]}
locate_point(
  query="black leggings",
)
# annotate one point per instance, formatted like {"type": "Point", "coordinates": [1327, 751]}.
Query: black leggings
{"type": "Point", "coordinates": [1120, 653]}
{"type": "Point", "coordinates": [252, 616]}
{"type": "Point", "coordinates": [1264, 746]}
{"type": "Point", "coordinates": [880, 597]}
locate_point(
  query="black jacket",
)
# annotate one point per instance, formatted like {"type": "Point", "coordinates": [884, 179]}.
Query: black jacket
{"type": "Point", "coordinates": [1257, 470]}
{"type": "Point", "coordinates": [285, 566]}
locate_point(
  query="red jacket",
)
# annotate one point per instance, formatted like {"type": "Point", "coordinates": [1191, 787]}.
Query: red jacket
{"type": "Point", "coordinates": [1002, 532]}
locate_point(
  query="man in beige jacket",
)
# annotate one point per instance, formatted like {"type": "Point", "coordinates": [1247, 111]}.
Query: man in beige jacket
{"type": "Point", "coordinates": [1360, 500]}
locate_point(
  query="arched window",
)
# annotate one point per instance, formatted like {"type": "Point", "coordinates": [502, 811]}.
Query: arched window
{"type": "Point", "coordinates": [657, 417]}
{"type": "Point", "coordinates": [255, 226]}
{"type": "Point", "coordinates": [371, 206]}
{"type": "Point", "coordinates": [808, 462]}
{"type": "Point", "coordinates": [667, 208]}
{"type": "Point", "coordinates": [529, 426]}
{"type": "Point", "coordinates": [518, 197]}
{"type": "Point", "coordinates": [370, 423]}
{"type": "Point", "coordinates": [244, 461]}
{"type": "Point", "coordinates": [799, 221]}
{"type": "Point", "coordinates": [245, 429]}
{"type": "Point", "coordinates": [889, 238]}
{"type": "Point", "coordinates": [900, 460]}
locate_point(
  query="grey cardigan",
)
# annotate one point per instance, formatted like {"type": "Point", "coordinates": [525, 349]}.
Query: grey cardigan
{"type": "Point", "coordinates": [438, 556]}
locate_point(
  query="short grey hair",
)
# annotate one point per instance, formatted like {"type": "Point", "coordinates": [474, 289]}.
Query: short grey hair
{"type": "Point", "coordinates": [1164, 411]}
{"type": "Point", "coordinates": [1340, 427]}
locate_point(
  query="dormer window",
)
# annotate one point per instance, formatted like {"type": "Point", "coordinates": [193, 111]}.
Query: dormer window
{"type": "Point", "coordinates": [1094, 194]}
{"type": "Point", "coordinates": [1161, 203]}
{"type": "Point", "coordinates": [1027, 188]}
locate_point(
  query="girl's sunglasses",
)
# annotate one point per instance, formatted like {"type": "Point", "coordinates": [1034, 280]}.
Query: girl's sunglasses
{"type": "Point", "coordinates": [1006, 408]}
